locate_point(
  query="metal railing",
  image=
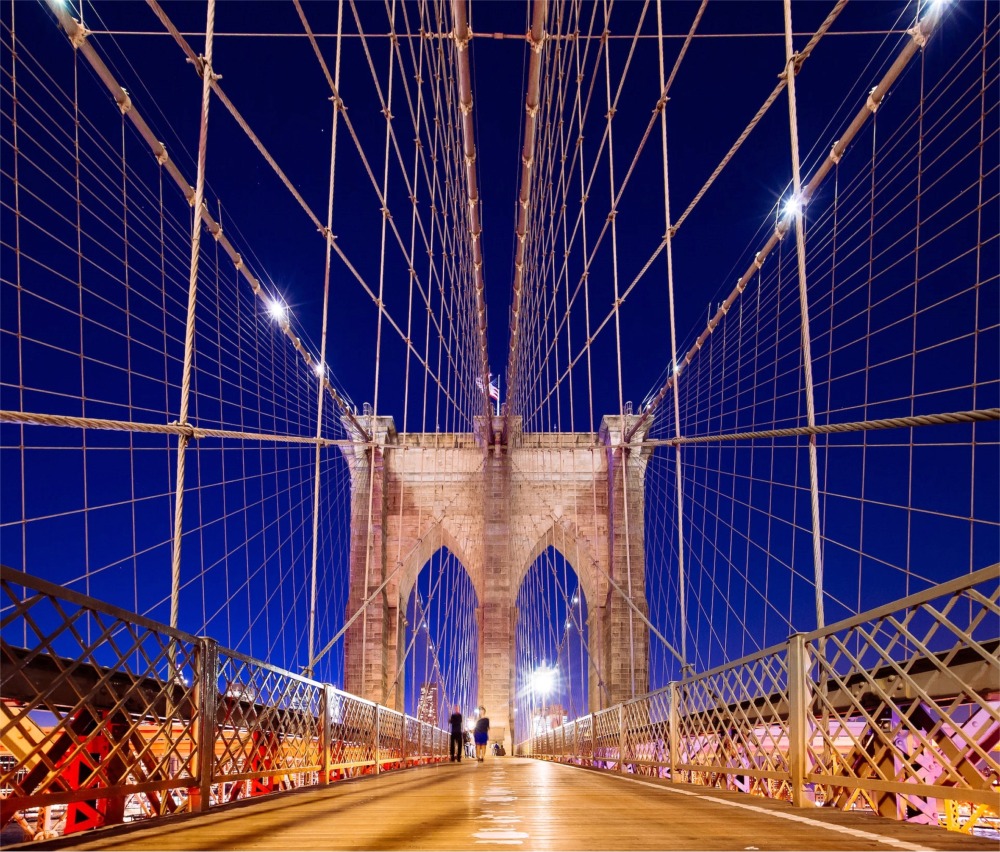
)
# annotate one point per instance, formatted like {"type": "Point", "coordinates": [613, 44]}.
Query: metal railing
{"type": "Point", "coordinates": [895, 711]}
{"type": "Point", "coordinates": [108, 717]}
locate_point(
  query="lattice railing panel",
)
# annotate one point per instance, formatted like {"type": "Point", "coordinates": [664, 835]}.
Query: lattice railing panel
{"type": "Point", "coordinates": [120, 718]}
{"type": "Point", "coordinates": [94, 699]}
{"type": "Point", "coordinates": [735, 720]}
{"type": "Point", "coordinates": [268, 726]}
{"type": "Point", "coordinates": [390, 736]}
{"type": "Point", "coordinates": [607, 742]}
{"type": "Point", "coordinates": [354, 736]}
{"type": "Point", "coordinates": [903, 701]}
{"type": "Point", "coordinates": [896, 712]}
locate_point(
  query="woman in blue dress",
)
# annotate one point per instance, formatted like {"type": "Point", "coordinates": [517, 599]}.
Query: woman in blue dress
{"type": "Point", "coordinates": [481, 733]}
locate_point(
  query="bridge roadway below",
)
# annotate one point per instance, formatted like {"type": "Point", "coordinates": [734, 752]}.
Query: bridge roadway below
{"type": "Point", "coordinates": [518, 802]}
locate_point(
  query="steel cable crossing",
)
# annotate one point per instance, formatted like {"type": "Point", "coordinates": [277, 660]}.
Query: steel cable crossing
{"type": "Point", "coordinates": [450, 317]}
{"type": "Point", "coordinates": [539, 398]}
{"type": "Point", "coordinates": [278, 451]}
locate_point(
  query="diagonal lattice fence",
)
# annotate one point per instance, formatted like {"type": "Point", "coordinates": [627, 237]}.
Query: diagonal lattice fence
{"type": "Point", "coordinates": [109, 717]}
{"type": "Point", "coordinates": [895, 711]}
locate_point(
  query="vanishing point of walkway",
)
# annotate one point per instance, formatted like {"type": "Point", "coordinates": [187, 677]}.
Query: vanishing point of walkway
{"type": "Point", "coordinates": [516, 802]}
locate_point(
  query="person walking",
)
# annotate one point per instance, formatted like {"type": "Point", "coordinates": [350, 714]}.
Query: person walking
{"type": "Point", "coordinates": [481, 734]}
{"type": "Point", "coordinates": [455, 744]}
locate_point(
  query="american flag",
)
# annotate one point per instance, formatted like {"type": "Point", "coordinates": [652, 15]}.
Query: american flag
{"type": "Point", "coordinates": [494, 390]}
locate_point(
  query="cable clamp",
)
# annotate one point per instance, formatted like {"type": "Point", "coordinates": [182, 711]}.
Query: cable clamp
{"type": "Point", "coordinates": [125, 105]}
{"type": "Point", "coordinates": [757, 261]}
{"type": "Point", "coordinates": [79, 35]}
{"type": "Point", "coordinates": [918, 35]}
{"type": "Point", "coordinates": [162, 156]}
{"type": "Point", "coordinates": [834, 156]}
{"type": "Point", "coordinates": [871, 103]}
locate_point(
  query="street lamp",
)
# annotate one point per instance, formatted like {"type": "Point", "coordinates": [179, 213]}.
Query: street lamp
{"type": "Point", "coordinates": [543, 683]}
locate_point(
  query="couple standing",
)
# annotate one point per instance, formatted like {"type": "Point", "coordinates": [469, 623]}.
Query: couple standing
{"type": "Point", "coordinates": [480, 734]}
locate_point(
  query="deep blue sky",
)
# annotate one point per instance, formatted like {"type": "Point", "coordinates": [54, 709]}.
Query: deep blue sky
{"type": "Point", "coordinates": [742, 379]}
{"type": "Point", "coordinates": [278, 86]}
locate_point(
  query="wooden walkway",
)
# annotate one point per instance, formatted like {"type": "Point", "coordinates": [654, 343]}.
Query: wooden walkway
{"type": "Point", "coordinates": [514, 802]}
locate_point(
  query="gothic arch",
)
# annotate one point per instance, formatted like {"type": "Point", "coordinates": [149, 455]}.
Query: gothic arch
{"type": "Point", "coordinates": [562, 535]}
{"type": "Point", "coordinates": [432, 540]}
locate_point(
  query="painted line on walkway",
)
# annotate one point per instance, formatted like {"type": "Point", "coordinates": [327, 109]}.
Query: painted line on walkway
{"type": "Point", "coordinates": [842, 829]}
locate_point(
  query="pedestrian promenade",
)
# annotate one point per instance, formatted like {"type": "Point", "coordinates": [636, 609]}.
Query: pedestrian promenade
{"type": "Point", "coordinates": [529, 804]}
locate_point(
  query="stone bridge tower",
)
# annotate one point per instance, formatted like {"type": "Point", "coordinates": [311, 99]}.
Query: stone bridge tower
{"type": "Point", "coordinates": [497, 509]}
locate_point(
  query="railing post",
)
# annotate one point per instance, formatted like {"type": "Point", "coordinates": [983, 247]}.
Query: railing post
{"type": "Point", "coordinates": [378, 739]}
{"type": "Point", "coordinates": [326, 733]}
{"type": "Point", "coordinates": [205, 703]}
{"type": "Point", "coordinates": [593, 740]}
{"type": "Point", "coordinates": [403, 740]}
{"type": "Point", "coordinates": [621, 738]}
{"type": "Point", "coordinates": [798, 725]}
{"type": "Point", "coordinates": [673, 729]}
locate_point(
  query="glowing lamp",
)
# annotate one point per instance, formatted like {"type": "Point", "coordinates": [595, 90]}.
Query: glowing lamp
{"type": "Point", "coordinates": [543, 680]}
{"type": "Point", "coordinates": [277, 310]}
{"type": "Point", "coordinates": [793, 207]}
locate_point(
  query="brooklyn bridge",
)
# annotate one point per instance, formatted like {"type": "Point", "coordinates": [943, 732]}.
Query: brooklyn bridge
{"type": "Point", "coordinates": [693, 506]}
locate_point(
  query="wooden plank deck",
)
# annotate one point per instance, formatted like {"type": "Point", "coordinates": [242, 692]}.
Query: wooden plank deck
{"type": "Point", "coordinates": [514, 802]}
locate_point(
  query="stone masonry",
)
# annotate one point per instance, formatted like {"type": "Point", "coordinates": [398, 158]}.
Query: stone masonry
{"type": "Point", "coordinates": [497, 508]}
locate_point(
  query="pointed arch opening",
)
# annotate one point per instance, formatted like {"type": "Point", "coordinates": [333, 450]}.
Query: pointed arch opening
{"type": "Point", "coordinates": [439, 640]}
{"type": "Point", "coordinates": [552, 661]}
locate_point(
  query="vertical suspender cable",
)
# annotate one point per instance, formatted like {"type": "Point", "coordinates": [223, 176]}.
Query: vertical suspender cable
{"type": "Point", "coordinates": [373, 451]}
{"type": "Point", "coordinates": [321, 366]}
{"type": "Point", "coordinates": [20, 291]}
{"type": "Point", "coordinates": [681, 579]}
{"type": "Point", "coordinates": [622, 449]}
{"type": "Point", "coordinates": [205, 67]}
{"type": "Point", "coordinates": [474, 222]}
{"type": "Point", "coordinates": [385, 208]}
{"type": "Point", "coordinates": [536, 41]}
{"type": "Point", "coordinates": [79, 288]}
{"type": "Point", "coordinates": [797, 207]}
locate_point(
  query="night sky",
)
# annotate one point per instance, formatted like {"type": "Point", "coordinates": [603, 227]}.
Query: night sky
{"type": "Point", "coordinates": [901, 510]}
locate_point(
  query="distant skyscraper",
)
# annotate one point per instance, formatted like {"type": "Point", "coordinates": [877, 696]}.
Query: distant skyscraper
{"type": "Point", "coordinates": [427, 706]}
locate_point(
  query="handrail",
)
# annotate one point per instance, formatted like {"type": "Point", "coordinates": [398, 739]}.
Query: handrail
{"type": "Point", "coordinates": [112, 715]}
{"type": "Point", "coordinates": [900, 704]}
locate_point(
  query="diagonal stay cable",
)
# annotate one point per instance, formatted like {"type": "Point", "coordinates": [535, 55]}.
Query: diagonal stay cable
{"type": "Point", "coordinates": [77, 35]}
{"type": "Point", "coordinates": [259, 145]}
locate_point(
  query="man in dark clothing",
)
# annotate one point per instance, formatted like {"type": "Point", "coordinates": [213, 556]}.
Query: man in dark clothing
{"type": "Point", "coordinates": [455, 744]}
